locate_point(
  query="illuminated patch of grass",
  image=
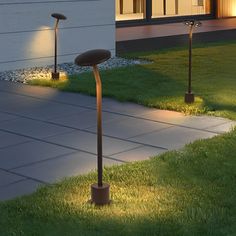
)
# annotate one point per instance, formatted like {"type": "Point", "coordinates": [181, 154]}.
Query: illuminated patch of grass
{"type": "Point", "coordinates": [185, 193]}
{"type": "Point", "coordinates": [163, 83]}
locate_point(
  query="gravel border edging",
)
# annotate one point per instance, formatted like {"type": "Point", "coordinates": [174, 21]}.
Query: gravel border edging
{"type": "Point", "coordinates": [23, 75]}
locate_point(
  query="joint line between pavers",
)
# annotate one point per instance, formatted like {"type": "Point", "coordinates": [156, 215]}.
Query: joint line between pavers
{"type": "Point", "coordinates": [131, 149]}
{"type": "Point", "coordinates": [41, 161]}
{"type": "Point", "coordinates": [167, 123]}
{"type": "Point", "coordinates": [60, 145]}
{"type": "Point", "coordinates": [50, 100]}
{"type": "Point", "coordinates": [111, 112]}
{"type": "Point", "coordinates": [214, 126]}
{"type": "Point", "coordinates": [106, 135]}
{"type": "Point", "coordinates": [16, 144]}
{"type": "Point", "coordinates": [75, 129]}
{"type": "Point", "coordinates": [24, 176]}
{"type": "Point", "coordinates": [76, 149]}
{"type": "Point", "coordinates": [92, 108]}
{"type": "Point", "coordinates": [114, 159]}
{"type": "Point", "coordinates": [154, 131]}
{"type": "Point", "coordinates": [12, 183]}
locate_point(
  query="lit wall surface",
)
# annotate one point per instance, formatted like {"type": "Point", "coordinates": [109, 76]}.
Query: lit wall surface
{"type": "Point", "coordinates": [227, 8]}
{"type": "Point", "coordinates": [180, 7]}
{"type": "Point", "coordinates": [27, 37]}
{"type": "Point", "coordinates": [134, 9]}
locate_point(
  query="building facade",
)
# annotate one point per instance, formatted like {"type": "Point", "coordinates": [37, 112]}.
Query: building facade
{"type": "Point", "coordinates": [26, 26]}
{"type": "Point", "coordinates": [130, 12]}
{"type": "Point", "coordinates": [27, 30]}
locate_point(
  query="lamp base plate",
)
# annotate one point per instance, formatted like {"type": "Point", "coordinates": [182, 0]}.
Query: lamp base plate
{"type": "Point", "coordinates": [55, 76]}
{"type": "Point", "coordinates": [100, 195]}
{"type": "Point", "coordinates": [189, 97]}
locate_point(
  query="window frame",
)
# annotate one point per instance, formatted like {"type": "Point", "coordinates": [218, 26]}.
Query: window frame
{"type": "Point", "coordinates": [149, 20]}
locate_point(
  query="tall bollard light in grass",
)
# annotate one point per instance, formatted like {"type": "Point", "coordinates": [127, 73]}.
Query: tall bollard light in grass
{"type": "Point", "coordinates": [189, 95]}
{"type": "Point", "coordinates": [58, 17]}
{"type": "Point", "coordinates": [99, 191]}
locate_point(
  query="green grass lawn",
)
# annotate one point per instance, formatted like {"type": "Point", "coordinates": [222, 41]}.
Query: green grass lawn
{"type": "Point", "coordinates": [163, 83]}
{"type": "Point", "coordinates": [187, 192]}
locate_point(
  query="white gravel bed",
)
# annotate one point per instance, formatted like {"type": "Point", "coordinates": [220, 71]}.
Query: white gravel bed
{"type": "Point", "coordinates": [23, 75]}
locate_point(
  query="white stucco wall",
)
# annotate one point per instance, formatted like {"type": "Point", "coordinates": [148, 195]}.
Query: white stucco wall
{"type": "Point", "coordinates": [27, 37]}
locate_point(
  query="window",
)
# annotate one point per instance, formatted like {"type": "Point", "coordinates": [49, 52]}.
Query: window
{"type": "Point", "coordinates": [226, 8]}
{"type": "Point", "coordinates": [168, 8]}
{"type": "Point", "coordinates": [136, 9]}
{"type": "Point", "coordinates": [198, 2]}
{"type": "Point", "coordinates": [130, 9]}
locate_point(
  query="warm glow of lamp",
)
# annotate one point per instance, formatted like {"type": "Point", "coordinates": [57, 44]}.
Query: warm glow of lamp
{"type": "Point", "coordinates": [234, 9]}
{"type": "Point", "coordinates": [41, 44]}
{"type": "Point", "coordinates": [227, 8]}
{"type": "Point", "coordinates": [41, 48]}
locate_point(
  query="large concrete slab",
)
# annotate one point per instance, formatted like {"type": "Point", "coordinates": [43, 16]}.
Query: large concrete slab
{"type": "Point", "coordinates": [222, 127]}
{"type": "Point", "coordinates": [8, 140]}
{"type": "Point", "coordinates": [15, 104]}
{"type": "Point", "coordinates": [176, 118]}
{"type": "Point", "coordinates": [37, 108]}
{"type": "Point", "coordinates": [5, 116]}
{"type": "Point", "coordinates": [173, 137]}
{"type": "Point", "coordinates": [51, 110]}
{"type": "Point", "coordinates": [46, 94]}
{"type": "Point", "coordinates": [127, 108]}
{"type": "Point", "coordinates": [203, 122]}
{"type": "Point", "coordinates": [86, 119]}
{"type": "Point", "coordinates": [33, 128]}
{"type": "Point", "coordinates": [7, 178]}
{"type": "Point", "coordinates": [85, 141]}
{"type": "Point", "coordinates": [171, 117]}
{"type": "Point", "coordinates": [19, 188]}
{"type": "Point", "coordinates": [130, 127]}
{"type": "Point", "coordinates": [70, 165]}
{"type": "Point", "coordinates": [138, 154]}
{"type": "Point", "coordinates": [29, 153]}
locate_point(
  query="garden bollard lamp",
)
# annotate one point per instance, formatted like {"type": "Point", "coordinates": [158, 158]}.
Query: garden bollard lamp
{"type": "Point", "coordinates": [189, 96]}
{"type": "Point", "coordinates": [99, 190]}
{"type": "Point", "coordinates": [58, 17]}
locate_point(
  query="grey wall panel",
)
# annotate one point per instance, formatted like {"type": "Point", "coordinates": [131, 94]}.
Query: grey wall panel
{"type": "Point", "coordinates": [31, 17]}
{"type": "Point", "coordinates": [26, 30]}
{"type": "Point", "coordinates": [30, 47]}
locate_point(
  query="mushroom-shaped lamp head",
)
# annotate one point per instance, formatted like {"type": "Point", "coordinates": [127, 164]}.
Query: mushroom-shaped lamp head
{"type": "Point", "coordinates": [92, 57]}
{"type": "Point", "coordinates": [58, 16]}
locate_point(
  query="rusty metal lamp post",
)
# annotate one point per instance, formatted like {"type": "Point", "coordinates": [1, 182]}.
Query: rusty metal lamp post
{"type": "Point", "coordinates": [58, 17]}
{"type": "Point", "coordinates": [189, 96]}
{"type": "Point", "coordinates": [99, 190]}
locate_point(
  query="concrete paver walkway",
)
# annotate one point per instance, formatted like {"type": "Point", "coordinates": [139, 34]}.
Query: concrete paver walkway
{"type": "Point", "coordinates": [46, 135]}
